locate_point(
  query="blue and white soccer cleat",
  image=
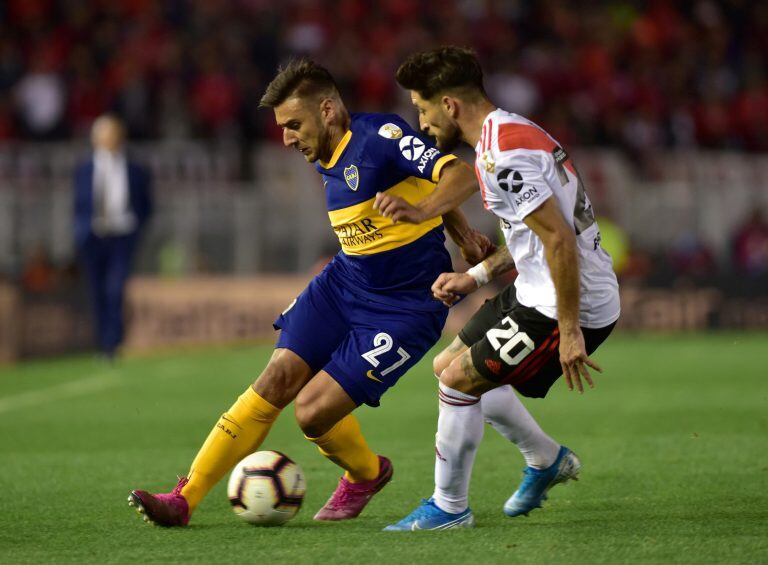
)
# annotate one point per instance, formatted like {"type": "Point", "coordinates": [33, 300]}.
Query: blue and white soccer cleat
{"type": "Point", "coordinates": [536, 482]}
{"type": "Point", "coordinates": [428, 516]}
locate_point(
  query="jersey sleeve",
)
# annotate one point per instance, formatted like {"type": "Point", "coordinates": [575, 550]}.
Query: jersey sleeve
{"type": "Point", "coordinates": [408, 151]}
{"type": "Point", "coordinates": [520, 181]}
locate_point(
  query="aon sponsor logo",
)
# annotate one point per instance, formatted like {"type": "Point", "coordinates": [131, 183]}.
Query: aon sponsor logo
{"type": "Point", "coordinates": [526, 196]}
{"type": "Point", "coordinates": [429, 154]}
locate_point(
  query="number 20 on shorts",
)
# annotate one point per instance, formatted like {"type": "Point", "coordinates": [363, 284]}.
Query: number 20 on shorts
{"type": "Point", "coordinates": [513, 337]}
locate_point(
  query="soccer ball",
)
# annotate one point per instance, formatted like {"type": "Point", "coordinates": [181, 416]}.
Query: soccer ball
{"type": "Point", "coordinates": [266, 488]}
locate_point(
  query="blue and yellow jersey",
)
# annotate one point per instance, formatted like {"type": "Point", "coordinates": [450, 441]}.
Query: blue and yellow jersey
{"type": "Point", "coordinates": [392, 263]}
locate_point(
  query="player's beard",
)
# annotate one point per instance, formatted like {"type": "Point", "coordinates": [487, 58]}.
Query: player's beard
{"type": "Point", "coordinates": [449, 137]}
{"type": "Point", "coordinates": [324, 149]}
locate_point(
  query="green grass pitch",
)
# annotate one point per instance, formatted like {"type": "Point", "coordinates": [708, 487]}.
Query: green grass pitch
{"type": "Point", "coordinates": [674, 442]}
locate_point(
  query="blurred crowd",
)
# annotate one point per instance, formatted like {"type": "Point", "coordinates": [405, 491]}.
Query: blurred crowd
{"type": "Point", "coordinates": [638, 75]}
{"type": "Point", "coordinates": [625, 73]}
{"type": "Point", "coordinates": [689, 261]}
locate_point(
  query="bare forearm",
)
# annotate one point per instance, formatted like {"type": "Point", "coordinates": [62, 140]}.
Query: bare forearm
{"type": "Point", "coordinates": [564, 267]}
{"type": "Point", "coordinates": [457, 183]}
{"type": "Point", "coordinates": [499, 263]}
{"type": "Point", "coordinates": [457, 226]}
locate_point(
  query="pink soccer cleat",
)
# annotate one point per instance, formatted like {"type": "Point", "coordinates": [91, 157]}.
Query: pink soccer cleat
{"type": "Point", "coordinates": [168, 510]}
{"type": "Point", "coordinates": [349, 499]}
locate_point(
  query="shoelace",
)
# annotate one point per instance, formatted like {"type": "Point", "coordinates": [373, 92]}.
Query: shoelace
{"type": "Point", "coordinates": [346, 492]}
{"type": "Point", "coordinates": [424, 511]}
{"type": "Point", "coordinates": [181, 484]}
{"type": "Point", "coordinates": [530, 476]}
{"type": "Point", "coordinates": [341, 495]}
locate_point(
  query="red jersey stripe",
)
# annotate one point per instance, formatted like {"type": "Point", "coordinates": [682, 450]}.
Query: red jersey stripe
{"type": "Point", "coordinates": [453, 401]}
{"type": "Point", "coordinates": [523, 136]}
{"type": "Point", "coordinates": [530, 360]}
{"type": "Point", "coordinates": [541, 360]}
{"type": "Point", "coordinates": [482, 186]}
{"type": "Point", "coordinates": [522, 371]}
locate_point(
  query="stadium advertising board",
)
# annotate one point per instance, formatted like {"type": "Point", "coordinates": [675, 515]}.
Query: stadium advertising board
{"type": "Point", "coordinates": [166, 313]}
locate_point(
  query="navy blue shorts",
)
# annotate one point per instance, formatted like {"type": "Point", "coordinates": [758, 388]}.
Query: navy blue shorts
{"type": "Point", "coordinates": [364, 345]}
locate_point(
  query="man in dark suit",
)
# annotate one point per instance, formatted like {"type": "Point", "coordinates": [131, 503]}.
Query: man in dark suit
{"type": "Point", "coordinates": [112, 205]}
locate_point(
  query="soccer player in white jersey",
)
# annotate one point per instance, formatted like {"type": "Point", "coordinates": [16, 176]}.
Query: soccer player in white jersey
{"type": "Point", "coordinates": [562, 306]}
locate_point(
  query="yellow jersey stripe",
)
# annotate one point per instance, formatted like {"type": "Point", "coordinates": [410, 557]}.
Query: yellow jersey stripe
{"type": "Point", "coordinates": [439, 166]}
{"type": "Point", "coordinates": [338, 151]}
{"type": "Point", "coordinates": [364, 231]}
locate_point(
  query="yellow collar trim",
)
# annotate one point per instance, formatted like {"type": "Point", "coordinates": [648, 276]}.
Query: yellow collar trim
{"type": "Point", "coordinates": [338, 151]}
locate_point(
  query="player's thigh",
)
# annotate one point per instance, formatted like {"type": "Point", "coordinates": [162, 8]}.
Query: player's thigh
{"type": "Point", "coordinates": [522, 350]}
{"type": "Point", "coordinates": [517, 348]}
{"type": "Point", "coordinates": [537, 384]}
{"type": "Point", "coordinates": [321, 404]}
{"type": "Point", "coordinates": [311, 329]}
{"type": "Point", "coordinates": [488, 315]}
{"type": "Point", "coordinates": [461, 376]}
{"type": "Point", "coordinates": [375, 355]}
{"type": "Point", "coordinates": [315, 323]}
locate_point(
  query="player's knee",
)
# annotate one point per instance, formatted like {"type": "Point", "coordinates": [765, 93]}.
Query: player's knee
{"type": "Point", "coordinates": [278, 384]}
{"type": "Point", "coordinates": [453, 376]}
{"type": "Point", "coordinates": [310, 422]}
{"type": "Point", "coordinates": [440, 363]}
{"type": "Point", "coordinates": [308, 416]}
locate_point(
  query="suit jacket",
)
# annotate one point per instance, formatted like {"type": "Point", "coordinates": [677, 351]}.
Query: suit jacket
{"type": "Point", "coordinates": [139, 197]}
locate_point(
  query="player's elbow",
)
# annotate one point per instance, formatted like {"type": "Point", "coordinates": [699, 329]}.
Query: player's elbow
{"type": "Point", "coordinates": [560, 241]}
{"type": "Point", "coordinates": [468, 178]}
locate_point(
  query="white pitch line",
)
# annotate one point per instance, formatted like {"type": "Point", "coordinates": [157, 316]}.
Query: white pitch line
{"type": "Point", "coordinates": [58, 392]}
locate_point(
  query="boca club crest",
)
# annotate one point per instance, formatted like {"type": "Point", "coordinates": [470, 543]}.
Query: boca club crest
{"type": "Point", "coordinates": [352, 177]}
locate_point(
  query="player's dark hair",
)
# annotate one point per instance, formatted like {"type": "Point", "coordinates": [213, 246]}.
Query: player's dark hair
{"type": "Point", "coordinates": [442, 69]}
{"type": "Point", "coordinates": [301, 78]}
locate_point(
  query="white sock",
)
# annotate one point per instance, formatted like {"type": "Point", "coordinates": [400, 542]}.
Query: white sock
{"type": "Point", "coordinates": [459, 431]}
{"type": "Point", "coordinates": [503, 410]}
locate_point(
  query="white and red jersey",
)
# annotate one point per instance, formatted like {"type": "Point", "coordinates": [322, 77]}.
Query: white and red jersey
{"type": "Point", "coordinates": [519, 166]}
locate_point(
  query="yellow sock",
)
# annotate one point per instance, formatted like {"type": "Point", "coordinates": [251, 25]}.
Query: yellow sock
{"type": "Point", "coordinates": [345, 445]}
{"type": "Point", "coordinates": [238, 433]}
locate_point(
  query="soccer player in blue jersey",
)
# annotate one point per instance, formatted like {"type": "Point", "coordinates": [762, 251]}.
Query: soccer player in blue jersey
{"type": "Point", "coordinates": [361, 323]}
